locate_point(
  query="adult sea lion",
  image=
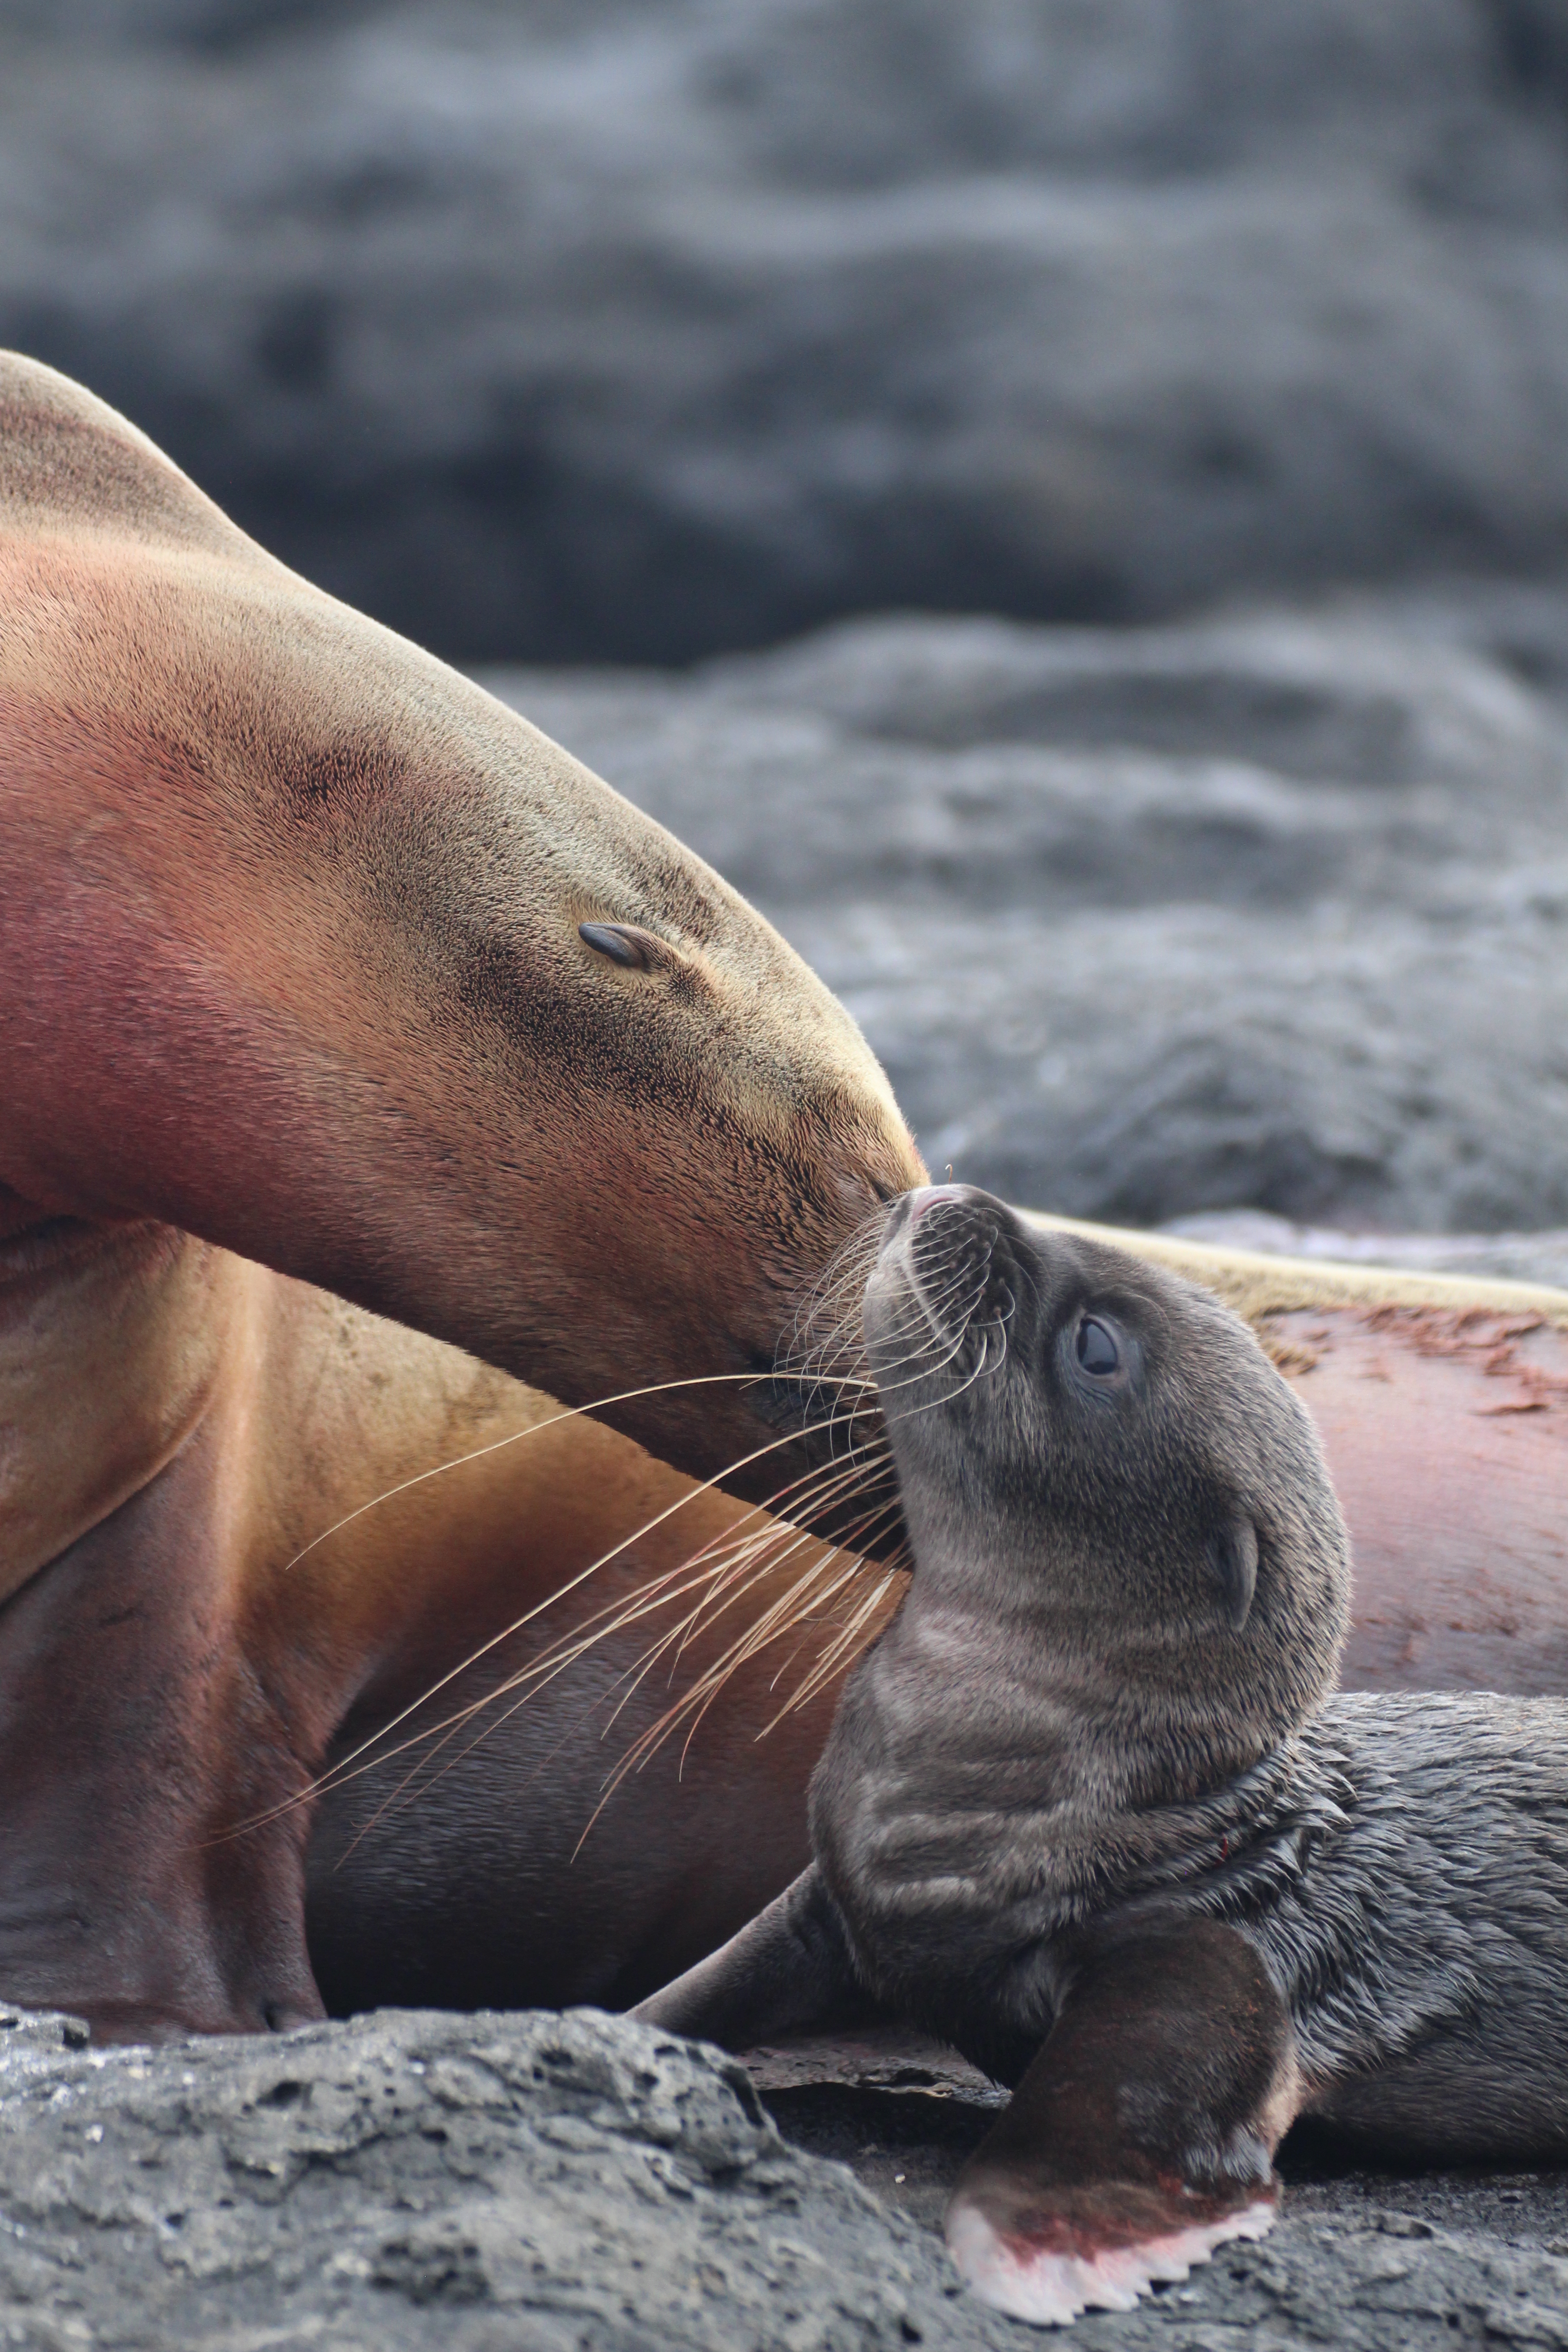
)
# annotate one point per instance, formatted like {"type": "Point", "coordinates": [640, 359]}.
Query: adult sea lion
{"type": "Point", "coordinates": [313, 952]}
{"type": "Point", "coordinates": [1090, 1810]}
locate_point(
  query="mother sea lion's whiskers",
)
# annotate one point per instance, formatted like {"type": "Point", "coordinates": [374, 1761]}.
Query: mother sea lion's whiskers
{"type": "Point", "coordinates": [813, 1589]}
{"type": "Point", "coordinates": [786, 1615]}
{"type": "Point", "coordinates": [741, 1564]}
{"type": "Point", "coordinates": [498, 1446]}
{"type": "Point", "coordinates": [734, 1568]}
{"type": "Point", "coordinates": [803, 1601]}
{"type": "Point", "coordinates": [697, 1574]}
{"type": "Point", "coordinates": [723, 1574]}
{"type": "Point", "coordinates": [808, 1587]}
{"type": "Point", "coordinates": [521, 1687]}
{"type": "Point", "coordinates": [529, 1679]}
{"type": "Point", "coordinates": [722, 1568]}
{"type": "Point", "coordinates": [777, 1623]}
{"type": "Point", "coordinates": [842, 1332]}
{"type": "Point", "coordinates": [841, 1654]}
{"type": "Point", "coordinates": [819, 1616]}
{"type": "Point", "coordinates": [823, 1341]}
{"type": "Point", "coordinates": [696, 1702]}
{"type": "Point", "coordinates": [656, 1593]}
{"type": "Point", "coordinates": [726, 1580]}
{"type": "Point", "coordinates": [349, 1767]}
{"type": "Point", "coordinates": [342, 1769]}
{"type": "Point", "coordinates": [845, 1274]}
{"type": "Point", "coordinates": [793, 1531]}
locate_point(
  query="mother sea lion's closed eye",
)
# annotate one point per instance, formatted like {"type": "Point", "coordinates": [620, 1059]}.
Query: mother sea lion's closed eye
{"type": "Point", "coordinates": [624, 943]}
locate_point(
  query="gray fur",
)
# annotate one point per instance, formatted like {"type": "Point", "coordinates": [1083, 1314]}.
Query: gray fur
{"type": "Point", "coordinates": [1066, 1733]}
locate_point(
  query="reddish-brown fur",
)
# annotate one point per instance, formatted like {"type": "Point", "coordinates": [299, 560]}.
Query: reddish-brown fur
{"type": "Point", "coordinates": [1447, 1433]}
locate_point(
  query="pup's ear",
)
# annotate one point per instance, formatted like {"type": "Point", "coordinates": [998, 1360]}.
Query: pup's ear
{"type": "Point", "coordinates": [1233, 1554]}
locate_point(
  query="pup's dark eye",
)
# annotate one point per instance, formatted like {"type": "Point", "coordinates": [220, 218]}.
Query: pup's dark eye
{"type": "Point", "coordinates": [1095, 1347]}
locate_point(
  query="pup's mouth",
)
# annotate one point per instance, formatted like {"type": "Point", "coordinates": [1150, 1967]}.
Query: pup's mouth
{"type": "Point", "coordinates": [947, 1251]}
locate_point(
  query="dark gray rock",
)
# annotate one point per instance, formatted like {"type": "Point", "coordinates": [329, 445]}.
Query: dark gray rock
{"type": "Point", "coordinates": [421, 2182]}
{"type": "Point", "coordinates": [530, 2183]}
{"type": "Point", "coordinates": [1359, 2259]}
{"type": "Point", "coordinates": [1266, 913]}
{"type": "Point", "coordinates": [603, 330]}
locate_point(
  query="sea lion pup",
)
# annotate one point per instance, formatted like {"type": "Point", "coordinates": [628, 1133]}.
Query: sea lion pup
{"type": "Point", "coordinates": [1088, 1811]}
{"type": "Point", "coordinates": [315, 957]}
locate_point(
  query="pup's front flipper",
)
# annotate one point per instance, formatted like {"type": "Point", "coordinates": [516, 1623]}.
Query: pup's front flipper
{"type": "Point", "coordinates": [1141, 2136]}
{"type": "Point", "coordinates": [787, 1968]}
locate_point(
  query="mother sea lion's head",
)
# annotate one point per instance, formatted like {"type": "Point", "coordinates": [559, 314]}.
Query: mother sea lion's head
{"type": "Point", "coordinates": [692, 1124]}
{"type": "Point", "coordinates": [1108, 1489]}
{"type": "Point", "coordinates": [317, 949]}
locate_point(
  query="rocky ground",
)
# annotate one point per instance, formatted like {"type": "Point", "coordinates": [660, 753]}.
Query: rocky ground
{"type": "Point", "coordinates": [569, 329]}
{"type": "Point", "coordinates": [529, 2183]}
{"type": "Point", "coordinates": [420, 2182]}
{"type": "Point", "coordinates": [1259, 913]}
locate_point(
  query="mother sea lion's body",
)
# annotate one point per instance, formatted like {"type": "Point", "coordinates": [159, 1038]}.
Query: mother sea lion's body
{"type": "Point", "coordinates": [1091, 1810]}
{"type": "Point", "coordinates": [289, 960]}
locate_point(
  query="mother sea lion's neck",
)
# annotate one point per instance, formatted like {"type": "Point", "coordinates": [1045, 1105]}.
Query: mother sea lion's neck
{"type": "Point", "coordinates": [118, 1340]}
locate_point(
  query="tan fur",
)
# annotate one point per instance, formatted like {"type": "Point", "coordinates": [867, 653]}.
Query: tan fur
{"type": "Point", "coordinates": [1261, 1287]}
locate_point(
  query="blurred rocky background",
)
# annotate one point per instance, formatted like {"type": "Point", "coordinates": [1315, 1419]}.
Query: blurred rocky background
{"type": "Point", "coordinates": [634, 329]}
{"type": "Point", "coordinates": [1221, 351]}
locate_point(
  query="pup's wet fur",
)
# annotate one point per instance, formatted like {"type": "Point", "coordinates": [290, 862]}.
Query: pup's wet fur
{"type": "Point", "coordinates": [1089, 1810]}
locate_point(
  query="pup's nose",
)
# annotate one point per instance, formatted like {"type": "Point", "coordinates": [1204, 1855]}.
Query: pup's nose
{"type": "Point", "coordinates": [936, 1196]}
